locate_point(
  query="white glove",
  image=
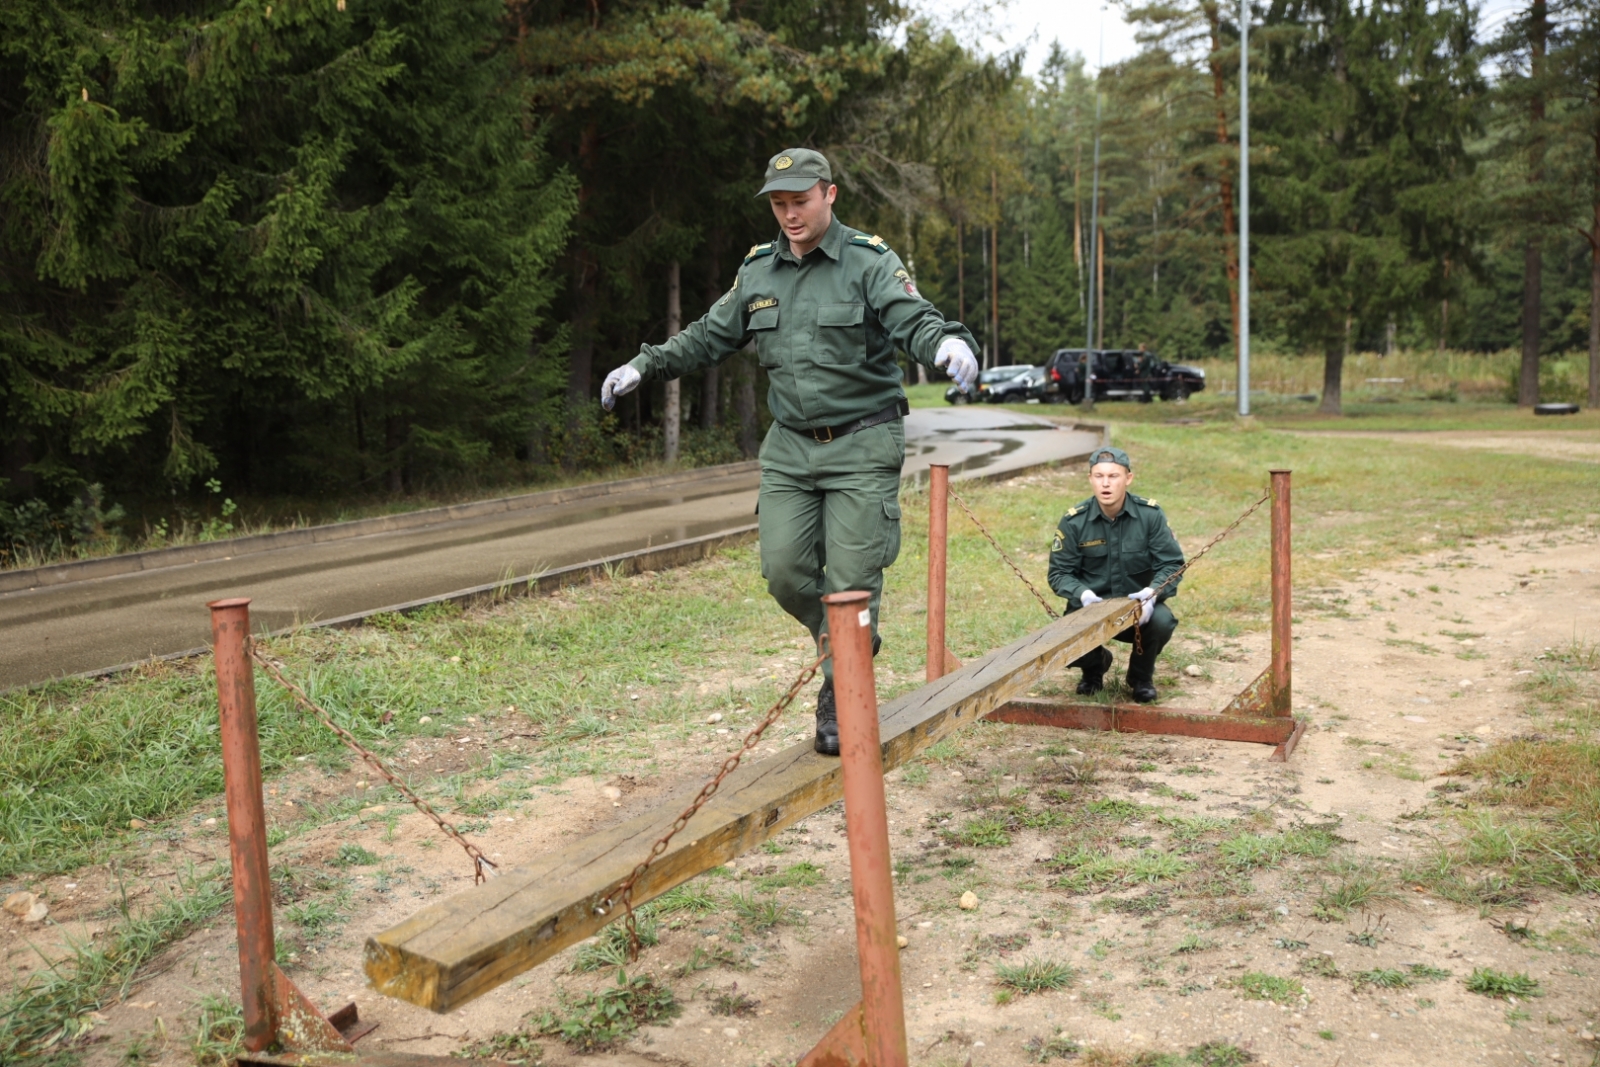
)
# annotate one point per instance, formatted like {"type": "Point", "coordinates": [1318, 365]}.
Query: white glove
{"type": "Point", "coordinates": [1088, 597]}
{"type": "Point", "coordinates": [1147, 597]}
{"type": "Point", "coordinates": [619, 382]}
{"type": "Point", "coordinates": [957, 360]}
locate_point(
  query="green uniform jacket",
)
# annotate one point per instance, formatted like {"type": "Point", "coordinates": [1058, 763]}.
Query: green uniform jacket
{"type": "Point", "coordinates": [1114, 557]}
{"type": "Point", "coordinates": [825, 328]}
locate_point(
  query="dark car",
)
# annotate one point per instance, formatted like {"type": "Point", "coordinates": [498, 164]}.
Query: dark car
{"type": "Point", "coordinates": [1003, 385]}
{"type": "Point", "coordinates": [1119, 374]}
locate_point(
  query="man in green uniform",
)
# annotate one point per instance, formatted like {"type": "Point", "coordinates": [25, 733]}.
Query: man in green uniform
{"type": "Point", "coordinates": [1118, 544]}
{"type": "Point", "coordinates": [826, 308]}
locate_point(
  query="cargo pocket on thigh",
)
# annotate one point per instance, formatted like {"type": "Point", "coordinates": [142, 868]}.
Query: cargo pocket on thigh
{"type": "Point", "coordinates": [890, 535]}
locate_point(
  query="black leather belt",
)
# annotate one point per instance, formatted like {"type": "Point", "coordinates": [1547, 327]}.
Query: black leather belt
{"type": "Point", "coordinates": [823, 434]}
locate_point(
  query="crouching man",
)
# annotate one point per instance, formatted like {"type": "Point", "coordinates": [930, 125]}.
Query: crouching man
{"type": "Point", "coordinates": [1118, 544]}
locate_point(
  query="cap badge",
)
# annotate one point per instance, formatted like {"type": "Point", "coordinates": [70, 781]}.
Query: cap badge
{"type": "Point", "coordinates": [782, 163]}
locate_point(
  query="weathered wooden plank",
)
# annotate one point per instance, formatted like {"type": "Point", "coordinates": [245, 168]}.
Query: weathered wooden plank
{"type": "Point", "coordinates": [464, 946]}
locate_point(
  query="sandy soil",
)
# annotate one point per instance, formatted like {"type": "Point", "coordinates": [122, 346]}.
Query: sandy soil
{"type": "Point", "coordinates": [1401, 673]}
{"type": "Point", "coordinates": [1580, 445]}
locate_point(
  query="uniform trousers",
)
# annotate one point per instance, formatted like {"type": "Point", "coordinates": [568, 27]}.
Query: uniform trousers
{"type": "Point", "coordinates": [1156, 633]}
{"type": "Point", "coordinates": [830, 518]}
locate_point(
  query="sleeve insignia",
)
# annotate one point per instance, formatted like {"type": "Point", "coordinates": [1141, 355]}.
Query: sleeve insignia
{"type": "Point", "coordinates": [757, 305]}
{"type": "Point", "coordinates": [729, 295]}
{"type": "Point", "coordinates": [1057, 542]}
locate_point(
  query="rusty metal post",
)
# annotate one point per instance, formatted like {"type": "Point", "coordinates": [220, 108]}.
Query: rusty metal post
{"type": "Point", "coordinates": [938, 555]}
{"type": "Point", "coordinates": [247, 821]}
{"type": "Point", "coordinates": [867, 827]}
{"type": "Point", "coordinates": [1282, 595]}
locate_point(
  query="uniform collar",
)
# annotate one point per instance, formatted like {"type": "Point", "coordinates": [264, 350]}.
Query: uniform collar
{"type": "Point", "coordinates": [832, 242]}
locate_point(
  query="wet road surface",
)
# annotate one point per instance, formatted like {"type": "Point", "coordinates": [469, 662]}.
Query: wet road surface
{"type": "Point", "coordinates": [96, 623]}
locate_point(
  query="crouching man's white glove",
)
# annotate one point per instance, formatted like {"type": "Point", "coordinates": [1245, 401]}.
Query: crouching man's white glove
{"type": "Point", "coordinates": [619, 382]}
{"type": "Point", "coordinates": [957, 360]}
{"type": "Point", "coordinates": [1146, 597]}
{"type": "Point", "coordinates": [1088, 597]}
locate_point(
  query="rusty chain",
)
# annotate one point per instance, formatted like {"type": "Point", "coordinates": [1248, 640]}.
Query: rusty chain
{"type": "Point", "coordinates": [1138, 628]}
{"type": "Point", "coordinates": [962, 504]}
{"type": "Point", "coordinates": [707, 791]}
{"type": "Point", "coordinates": [479, 860]}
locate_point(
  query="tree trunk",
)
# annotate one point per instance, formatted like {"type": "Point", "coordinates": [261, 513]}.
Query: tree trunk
{"type": "Point", "coordinates": [1230, 232]}
{"type": "Point", "coordinates": [1532, 253]}
{"type": "Point", "coordinates": [994, 266]}
{"type": "Point", "coordinates": [672, 415]}
{"type": "Point", "coordinates": [961, 271]}
{"type": "Point", "coordinates": [1594, 309]}
{"type": "Point", "coordinates": [1528, 378]}
{"type": "Point", "coordinates": [744, 402]}
{"type": "Point", "coordinates": [586, 295]}
{"type": "Point", "coordinates": [711, 381]}
{"type": "Point", "coordinates": [1100, 283]}
{"type": "Point", "coordinates": [394, 439]}
{"type": "Point", "coordinates": [1332, 378]}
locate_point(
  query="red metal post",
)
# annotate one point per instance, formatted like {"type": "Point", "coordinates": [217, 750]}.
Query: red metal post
{"type": "Point", "coordinates": [1282, 595]}
{"type": "Point", "coordinates": [247, 821]}
{"type": "Point", "coordinates": [867, 826]}
{"type": "Point", "coordinates": [938, 548]}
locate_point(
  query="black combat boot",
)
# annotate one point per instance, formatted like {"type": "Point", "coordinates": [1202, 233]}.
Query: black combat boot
{"type": "Point", "coordinates": [1094, 664]}
{"type": "Point", "coordinates": [827, 740]}
{"type": "Point", "coordinates": [1141, 678]}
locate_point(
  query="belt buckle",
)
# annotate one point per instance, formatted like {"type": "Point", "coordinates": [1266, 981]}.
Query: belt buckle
{"type": "Point", "coordinates": [823, 440]}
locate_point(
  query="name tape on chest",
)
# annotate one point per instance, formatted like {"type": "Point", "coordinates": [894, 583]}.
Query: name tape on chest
{"type": "Point", "coordinates": [757, 305]}
{"type": "Point", "coordinates": [1091, 544]}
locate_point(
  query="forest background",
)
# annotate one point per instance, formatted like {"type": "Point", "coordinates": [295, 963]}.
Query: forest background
{"type": "Point", "coordinates": [308, 249]}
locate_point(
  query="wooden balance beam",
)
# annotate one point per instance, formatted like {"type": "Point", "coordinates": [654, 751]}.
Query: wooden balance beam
{"type": "Point", "coordinates": [462, 947]}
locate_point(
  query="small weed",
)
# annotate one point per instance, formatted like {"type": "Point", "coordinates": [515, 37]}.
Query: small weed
{"type": "Point", "coordinates": [800, 874]}
{"type": "Point", "coordinates": [734, 1003]}
{"type": "Point", "coordinates": [1043, 1050]}
{"type": "Point", "coordinates": [1489, 982]}
{"type": "Point", "coordinates": [353, 855]}
{"type": "Point", "coordinates": [1382, 978]}
{"type": "Point", "coordinates": [1111, 808]}
{"type": "Point", "coordinates": [1366, 938]}
{"type": "Point", "coordinates": [1319, 966]}
{"type": "Point", "coordinates": [986, 831]}
{"type": "Point", "coordinates": [1192, 943]}
{"type": "Point", "coordinates": [686, 897]}
{"type": "Point", "coordinates": [603, 1020]}
{"type": "Point", "coordinates": [916, 775]}
{"type": "Point", "coordinates": [1218, 1054]}
{"type": "Point", "coordinates": [1289, 944]}
{"type": "Point", "coordinates": [516, 1048]}
{"type": "Point", "coordinates": [219, 1032]}
{"type": "Point", "coordinates": [1359, 887]}
{"type": "Point", "coordinates": [610, 949]}
{"type": "Point", "coordinates": [1327, 1035]}
{"type": "Point", "coordinates": [1257, 985]}
{"type": "Point", "coordinates": [773, 847]}
{"type": "Point", "coordinates": [313, 916]}
{"type": "Point", "coordinates": [764, 913]}
{"type": "Point", "coordinates": [1035, 975]}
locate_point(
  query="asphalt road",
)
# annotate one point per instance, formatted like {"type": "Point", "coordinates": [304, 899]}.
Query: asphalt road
{"type": "Point", "coordinates": [95, 623]}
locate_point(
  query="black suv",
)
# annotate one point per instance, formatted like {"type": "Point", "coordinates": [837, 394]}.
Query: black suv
{"type": "Point", "coordinates": [1119, 374]}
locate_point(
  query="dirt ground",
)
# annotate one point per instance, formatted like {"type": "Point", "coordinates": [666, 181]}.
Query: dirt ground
{"type": "Point", "coordinates": [1400, 673]}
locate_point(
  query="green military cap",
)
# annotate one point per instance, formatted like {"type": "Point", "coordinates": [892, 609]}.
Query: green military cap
{"type": "Point", "coordinates": [1109, 455]}
{"type": "Point", "coordinates": [794, 170]}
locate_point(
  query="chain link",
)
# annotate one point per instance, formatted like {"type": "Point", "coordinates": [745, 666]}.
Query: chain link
{"type": "Point", "coordinates": [707, 791]}
{"type": "Point", "coordinates": [479, 861]}
{"type": "Point", "coordinates": [962, 504]}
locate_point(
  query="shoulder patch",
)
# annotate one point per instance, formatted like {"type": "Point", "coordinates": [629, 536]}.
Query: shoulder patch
{"type": "Point", "coordinates": [874, 242]}
{"type": "Point", "coordinates": [757, 251]}
{"type": "Point", "coordinates": [729, 295]}
{"type": "Point", "coordinates": [1058, 542]}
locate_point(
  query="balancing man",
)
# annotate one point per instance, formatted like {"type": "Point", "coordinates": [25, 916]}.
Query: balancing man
{"type": "Point", "coordinates": [1118, 544]}
{"type": "Point", "coordinates": [826, 307]}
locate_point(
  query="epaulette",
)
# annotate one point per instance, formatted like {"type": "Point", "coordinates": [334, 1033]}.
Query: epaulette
{"type": "Point", "coordinates": [757, 251]}
{"type": "Point", "coordinates": [876, 243]}
{"type": "Point", "coordinates": [1148, 503]}
{"type": "Point", "coordinates": [1073, 510]}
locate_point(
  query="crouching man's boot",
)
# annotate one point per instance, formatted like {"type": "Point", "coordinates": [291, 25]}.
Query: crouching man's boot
{"type": "Point", "coordinates": [1094, 664]}
{"type": "Point", "coordinates": [827, 740]}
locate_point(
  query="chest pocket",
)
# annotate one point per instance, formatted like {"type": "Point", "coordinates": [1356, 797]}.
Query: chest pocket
{"type": "Point", "coordinates": [763, 327]}
{"type": "Point", "coordinates": [841, 333]}
{"type": "Point", "coordinates": [1095, 551]}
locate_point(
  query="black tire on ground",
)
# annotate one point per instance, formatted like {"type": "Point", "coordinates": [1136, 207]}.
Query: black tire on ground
{"type": "Point", "coordinates": [959, 398]}
{"type": "Point", "coordinates": [1555, 409]}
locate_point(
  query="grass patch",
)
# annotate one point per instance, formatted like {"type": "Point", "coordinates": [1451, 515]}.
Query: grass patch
{"type": "Point", "coordinates": [1258, 985]}
{"type": "Point", "coordinates": [53, 1009]}
{"type": "Point", "coordinates": [603, 1020]}
{"type": "Point", "coordinates": [797, 875]}
{"type": "Point", "coordinates": [517, 1048]}
{"type": "Point", "coordinates": [765, 913]}
{"type": "Point", "coordinates": [686, 897]}
{"type": "Point", "coordinates": [1035, 975]}
{"type": "Point", "coordinates": [610, 948]}
{"type": "Point", "coordinates": [985, 831]}
{"type": "Point", "coordinates": [1488, 982]}
{"type": "Point", "coordinates": [1359, 886]}
{"type": "Point", "coordinates": [1246, 850]}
